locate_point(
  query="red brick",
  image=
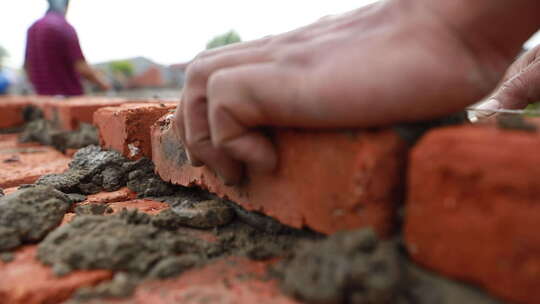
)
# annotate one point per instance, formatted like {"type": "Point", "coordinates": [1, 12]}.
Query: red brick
{"type": "Point", "coordinates": [24, 164]}
{"type": "Point", "coordinates": [11, 141]}
{"type": "Point", "coordinates": [70, 112]}
{"type": "Point", "coordinates": [472, 208]}
{"type": "Point", "coordinates": [328, 181]}
{"type": "Point", "coordinates": [27, 281]}
{"type": "Point", "coordinates": [126, 128]}
{"type": "Point", "coordinates": [11, 111]}
{"type": "Point", "coordinates": [229, 281]}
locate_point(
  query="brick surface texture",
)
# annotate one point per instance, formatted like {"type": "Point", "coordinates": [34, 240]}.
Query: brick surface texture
{"type": "Point", "coordinates": [25, 163]}
{"type": "Point", "coordinates": [11, 111]}
{"type": "Point", "coordinates": [472, 208]}
{"type": "Point", "coordinates": [328, 181]}
{"type": "Point", "coordinates": [126, 128]}
{"type": "Point", "coordinates": [69, 113]}
{"type": "Point", "coordinates": [27, 281]}
{"type": "Point", "coordinates": [229, 281]}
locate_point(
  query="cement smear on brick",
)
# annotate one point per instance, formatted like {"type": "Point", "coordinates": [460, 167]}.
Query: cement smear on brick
{"type": "Point", "coordinates": [26, 216]}
{"type": "Point", "coordinates": [44, 132]}
{"type": "Point", "coordinates": [356, 268]}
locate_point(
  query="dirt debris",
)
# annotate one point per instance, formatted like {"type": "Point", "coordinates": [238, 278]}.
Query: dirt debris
{"type": "Point", "coordinates": [28, 215]}
{"type": "Point", "coordinates": [355, 267]}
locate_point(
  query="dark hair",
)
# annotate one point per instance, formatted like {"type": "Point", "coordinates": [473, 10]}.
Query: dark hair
{"type": "Point", "coordinates": [58, 5]}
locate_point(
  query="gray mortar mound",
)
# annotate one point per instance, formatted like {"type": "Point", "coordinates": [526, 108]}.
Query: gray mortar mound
{"type": "Point", "coordinates": [26, 216]}
{"type": "Point", "coordinates": [357, 268]}
{"type": "Point", "coordinates": [124, 242]}
{"type": "Point", "coordinates": [94, 170]}
{"type": "Point", "coordinates": [91, 171]}
{"type": "Point", "coordinates": [141, 247]}
{"type": "Point", "coordinates": [45, 132]}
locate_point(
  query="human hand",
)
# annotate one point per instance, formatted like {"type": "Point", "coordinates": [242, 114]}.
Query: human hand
{"type": "Point", "coordinates": [386, 63]}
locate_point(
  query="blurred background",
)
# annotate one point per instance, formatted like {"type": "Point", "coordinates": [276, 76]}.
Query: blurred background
{"type": "Point", "coordinates": [142, 47]}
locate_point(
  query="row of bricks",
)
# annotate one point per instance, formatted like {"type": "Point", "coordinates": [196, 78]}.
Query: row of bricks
{"type": "Point", "coordinates": [68, 113]}
{"type": "Point", "coordinates": [471, 191]}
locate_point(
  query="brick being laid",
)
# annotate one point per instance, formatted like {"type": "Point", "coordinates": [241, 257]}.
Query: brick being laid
{"type": "Point", "coordinates": [327, 181]}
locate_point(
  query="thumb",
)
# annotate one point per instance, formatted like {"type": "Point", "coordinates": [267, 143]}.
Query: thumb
{"type": "Point", "coordinates": [518, 91]}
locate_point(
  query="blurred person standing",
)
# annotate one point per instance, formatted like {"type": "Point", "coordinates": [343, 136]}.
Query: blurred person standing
{"type": "Point", "coordinates": [54, 60]}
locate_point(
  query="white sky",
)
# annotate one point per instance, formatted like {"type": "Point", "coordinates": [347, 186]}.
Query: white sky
{"type": "Point", "coordinates": [166, 31]}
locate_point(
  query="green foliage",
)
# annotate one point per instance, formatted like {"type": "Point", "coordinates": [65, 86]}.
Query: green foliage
{"type": "Point", "coordinates": [123, 67]}
{"type": "Point", "coordinates": [225, 39]}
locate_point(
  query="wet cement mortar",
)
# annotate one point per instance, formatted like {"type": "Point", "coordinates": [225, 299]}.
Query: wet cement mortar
{"type": "Point", "coordinates": [28, 215]}
{"type": "Point", "coordinates": [356, 268]}
{"type": "Point", "coordinates": [353, 267]}
{"type": "Point", "coordinates": [137, 246]}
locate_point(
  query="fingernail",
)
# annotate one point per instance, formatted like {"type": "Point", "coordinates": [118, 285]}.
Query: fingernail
{"type": "Point", "coordinates": [487, 109]}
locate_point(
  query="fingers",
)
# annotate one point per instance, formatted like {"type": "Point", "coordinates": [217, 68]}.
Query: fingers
{"type": "Point", "coordinates": [194, 114]}
{"type": "Point", "coordinates": [518, 91]}
{"type": "Point", "coordinates": [243, 98]}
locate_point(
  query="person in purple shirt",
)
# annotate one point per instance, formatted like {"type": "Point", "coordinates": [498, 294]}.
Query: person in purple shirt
{"type": "Point", "coordinates": [54, 60]}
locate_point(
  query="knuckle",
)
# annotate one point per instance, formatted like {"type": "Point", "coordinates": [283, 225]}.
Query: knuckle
{"type": "Point", "coordinates": [216, 82]}
{"type": "Point", "coordinates": [196, 69]}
